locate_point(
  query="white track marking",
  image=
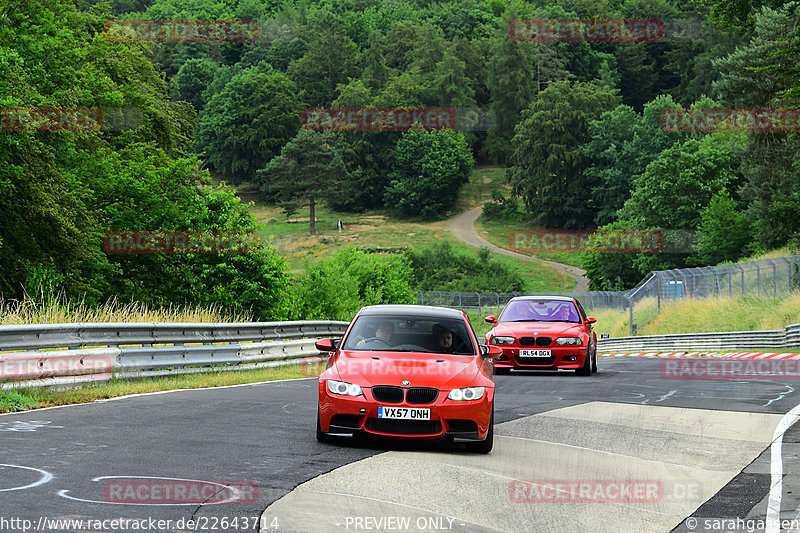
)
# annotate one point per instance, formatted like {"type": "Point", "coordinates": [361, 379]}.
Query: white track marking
{"type": "Point", "coordinates": [63, 492]}
{"type": "Point", "coordinates": [46, 476]}
{"type": "Point", "coordinates": [776, 471]}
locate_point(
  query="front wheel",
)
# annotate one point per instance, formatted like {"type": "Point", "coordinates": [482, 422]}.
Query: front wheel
{"type": "Point", "coordinates": [594, 360]}
{"type": "Point", "coordinates": [484, 446]}
{"type": "Point", "coordinates": [586, 369]}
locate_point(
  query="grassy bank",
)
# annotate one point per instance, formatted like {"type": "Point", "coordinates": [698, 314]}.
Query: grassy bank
{"type": "Point", "coordinates": [703, 315]}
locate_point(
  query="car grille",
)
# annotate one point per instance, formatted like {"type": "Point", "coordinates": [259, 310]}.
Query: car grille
{"type": "Point", "coordinates": [421, 395]}
{"type": "Point", "coordinates": [403, 427]}
{"type": "Point", "coordinates": [535, 341]}
{"type": "Point", "coordinates": [387, 394]}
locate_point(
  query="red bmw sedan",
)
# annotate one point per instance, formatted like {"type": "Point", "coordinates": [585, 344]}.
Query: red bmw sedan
{"type": "Point", "coordinates": [408, 372]}
{"type": "Point", "coordinates": [544, 333]}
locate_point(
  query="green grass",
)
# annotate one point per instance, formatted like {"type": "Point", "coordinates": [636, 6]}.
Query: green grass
{"type": "Point", "coordinates": [499, 233]}
{"type": "Point", "coordinates": [702, 315]}
{"type": "Point", "coordinates": [380, 230]}
{"type": "Point", "coordinates": [482, 182]}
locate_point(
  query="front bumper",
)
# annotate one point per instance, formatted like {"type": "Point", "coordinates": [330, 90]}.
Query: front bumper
{"type": "Point", "coordinates": [351, 416]}
{"type": "Point", "coordinates": [562, 357]}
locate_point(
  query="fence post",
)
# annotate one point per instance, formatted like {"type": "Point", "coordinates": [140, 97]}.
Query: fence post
{"type": "Point", "coordinates": [758, 278]}
{"type": "Point", "coordinates": [630, 315]}
{"type": "Point", "coordinates": [480, 308]}
{"type": "Point", "coordinates": [774, 278]}
{"type": "Point", "coordinates": [659, 283]}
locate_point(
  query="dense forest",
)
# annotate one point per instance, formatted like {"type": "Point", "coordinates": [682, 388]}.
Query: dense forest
{"type": "Point", "coordinates": [577, 125]}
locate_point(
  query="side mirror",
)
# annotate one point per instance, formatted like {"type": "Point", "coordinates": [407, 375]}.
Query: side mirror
{"type": "Point", "coordinates": [492, 351]}
{"type": "Point", "coordinates": [491, 320]}
{"type": "Point", "coordinates": [324, 345]}
{"type": "Point", "coordinates": [336, 343]}
{"type": "Point", "coordinates": [591, 320]}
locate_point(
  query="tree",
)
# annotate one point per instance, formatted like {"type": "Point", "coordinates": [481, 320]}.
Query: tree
{"type": "Point", "coordinates": [622, 144]}
{"type": "Point", "coordinates": [308, 169]}
{"type": "Point", "coordinates": [680, 182]}
{"type": "Point", "coordinates": [245, 125]}
{"type": "Point", "coordinates": [329, 60]}
{"type": "Point", "coordinates": [549, 162]}
{"type": "Point", "coordinates": [755, 75]}
{"type": "Point", "coordinates": [724, 231]}
{"type": "Point", "coordinates": [428, 169]}
{"type": "Point", "coordinates": [609, 165]}
{"type": "Point", "coordinates": [192, 79]}
{"type": "Point", "coordinates": [517, 73]}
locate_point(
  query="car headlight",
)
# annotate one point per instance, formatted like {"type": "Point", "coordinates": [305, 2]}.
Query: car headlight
{"type": "Point", "coordinates": [570, 341]}
{"type": "Point", "coordinates": [501, 340]}
{"type": "Point", "coordinates": [345, 389]}
{"type": "Point", "coordinates": [469, 393]}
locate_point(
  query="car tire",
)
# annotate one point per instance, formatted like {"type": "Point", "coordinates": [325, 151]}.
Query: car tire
{"type": "Point", "coordinates": [594, 360]}
{"type": "Point", "coordinates": [586, 369]}
{"type": "Point", "coordinates": [322, 437]}
{"type": "Point", "coordinates": [485, 445]}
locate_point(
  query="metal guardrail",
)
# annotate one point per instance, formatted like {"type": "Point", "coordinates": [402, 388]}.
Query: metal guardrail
{"type": "Point", "coordinates": [60, 354]}
{"type": "Point", "coordinates": [733, 340]}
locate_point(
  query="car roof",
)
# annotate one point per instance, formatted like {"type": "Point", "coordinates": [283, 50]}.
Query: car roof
{"type": "Point", "coordinates": [543, 297]}
{"type": "Point", "coordinates": [417, 311]}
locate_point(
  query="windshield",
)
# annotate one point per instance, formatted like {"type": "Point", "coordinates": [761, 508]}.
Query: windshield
{"type": "Point", "coordinates": [425, 335]}
{"type": "Point", "coordinates": [540, 311]}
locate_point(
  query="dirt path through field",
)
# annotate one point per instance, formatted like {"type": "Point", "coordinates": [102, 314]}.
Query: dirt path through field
{"type": "Point", "coordinates": [463, 227]}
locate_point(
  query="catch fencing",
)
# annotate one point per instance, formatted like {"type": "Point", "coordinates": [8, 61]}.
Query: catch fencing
{"type": "Point", "coordinates": [771, 277]}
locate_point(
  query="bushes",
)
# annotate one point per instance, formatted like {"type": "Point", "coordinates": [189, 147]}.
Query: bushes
{"type": "Point", "coordinates": [336, 287]}
{"type": "Point", "coordinates": [441, 268]}
{"type": "Point", "coordinates": [427, 172]}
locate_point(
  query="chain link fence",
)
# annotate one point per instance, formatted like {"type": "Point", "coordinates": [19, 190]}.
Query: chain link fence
{"type": "Point", "coordinates": [764, 277]}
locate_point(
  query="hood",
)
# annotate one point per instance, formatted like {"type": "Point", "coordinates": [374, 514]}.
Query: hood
{"type": "Point", "coordinates": [534, 329]}
{"type": "Point", "coordinates": [420, 369]}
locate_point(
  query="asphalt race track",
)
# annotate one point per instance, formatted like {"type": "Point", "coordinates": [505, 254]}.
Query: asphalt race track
{"type": "Point", "coordinates": [691, 454]}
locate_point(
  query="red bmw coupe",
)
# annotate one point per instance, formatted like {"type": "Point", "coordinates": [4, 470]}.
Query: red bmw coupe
{"type": "Point", "coordinates": [408, 372]}
{"type": "Point", "coordinates": [544, 333]}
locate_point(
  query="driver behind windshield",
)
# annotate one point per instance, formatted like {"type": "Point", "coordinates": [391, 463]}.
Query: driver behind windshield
{"type": "Point", "coordinates": [384, 331]}
{"type": "Point", "coordinates": [444, 338]}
